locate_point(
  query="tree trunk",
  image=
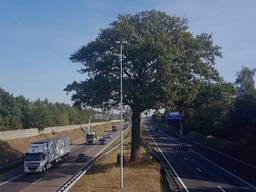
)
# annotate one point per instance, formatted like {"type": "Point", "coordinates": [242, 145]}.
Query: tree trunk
{"type": "Point", "coordinates": [135, 135]}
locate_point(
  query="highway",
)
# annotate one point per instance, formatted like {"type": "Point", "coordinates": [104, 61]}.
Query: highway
{"type": "Point", "coordinates": [15, 180]}
{"type": "Point", "coordinates": [194, 171]}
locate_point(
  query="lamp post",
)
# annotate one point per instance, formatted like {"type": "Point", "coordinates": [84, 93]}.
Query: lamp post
{"type": "Point", "coordinates": [121, 115]}
{"type": "Point", "coordinates": [90, 123]}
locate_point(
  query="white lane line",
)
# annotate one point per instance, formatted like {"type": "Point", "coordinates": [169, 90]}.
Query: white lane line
{"type": "Point", "coordinates": [84, 171]}
{"type": "Point", "coordinates": [38, 180]}
{"type": "Point", "coordinates": [228, 156]}
{"type": "Point", "coordinates": [186, 158]}
{"type": "Point", "coordinates": [228, 172]}
{"type": "Point", "coordinates": [221, 188]}
{"type": "Point", "coordinates": [184, 186]}
{"type": "Point", "coordinates": [12, 179]}
{"type": "Point", "coordinates": [199, 170]}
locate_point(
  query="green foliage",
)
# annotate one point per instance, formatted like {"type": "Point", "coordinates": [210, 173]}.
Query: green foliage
{"type": "Point", "coordinates": [211, 108]}
{"type": "Point", "coordinates": [226, 110]}
{"type": "Point", "coordinates": [245, 80]}
{"type": "Point", "coordinates": [163, 63]}
{"type": "Point", "coordinates": [243, 115]}
{"type": "Point", "coordinates": [19, 113]}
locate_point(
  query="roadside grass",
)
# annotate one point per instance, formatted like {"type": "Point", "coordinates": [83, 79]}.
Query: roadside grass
{"type": "Point", "coordinates": [143, 175]}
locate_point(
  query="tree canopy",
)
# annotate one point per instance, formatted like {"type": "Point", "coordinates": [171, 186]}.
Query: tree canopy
{"type": "Point", "coordinates": [243, 115]}
{"type": "Point", "coordinates": [163, 64]}
{"type": "Point", "coordinates": [245, 80]}
{"type": "Point", "coordinates": [19, 112]}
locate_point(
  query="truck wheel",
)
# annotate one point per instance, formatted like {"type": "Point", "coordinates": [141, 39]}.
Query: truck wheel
{"type": "Point", "coordinates": [44, 169]}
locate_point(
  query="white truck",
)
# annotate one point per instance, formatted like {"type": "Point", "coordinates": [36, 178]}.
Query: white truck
{"type": "Point", "coordinates": [44, 154]}
{"type": "Point", "coordinates": [91, 138]}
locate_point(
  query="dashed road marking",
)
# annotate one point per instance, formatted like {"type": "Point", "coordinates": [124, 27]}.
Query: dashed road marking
{"type": "Point", "coordinates": [38, 180]}
{"type": "Point", "coordinates": [12, 179]}
{"type": "Point", "coordinates": [199, 170]}
{"type": "Point", "coordinates": [221, 188]}
{"type": "Point", "coordinates": [183, 185]}
{"type": "Point", "coordinates": [228, 172]}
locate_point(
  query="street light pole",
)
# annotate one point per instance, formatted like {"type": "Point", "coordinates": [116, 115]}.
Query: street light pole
{"type": "Point", "coordinates": [90, 123]}
{"type": "Point", "coordinates": [121, 115]}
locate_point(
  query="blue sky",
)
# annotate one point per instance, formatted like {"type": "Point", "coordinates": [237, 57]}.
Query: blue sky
{"type": "Point", "coordinates": [37, 37]}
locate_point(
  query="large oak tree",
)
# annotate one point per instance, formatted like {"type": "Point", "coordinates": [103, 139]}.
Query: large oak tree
{"type": "Point", "coordinates": [163, 63]}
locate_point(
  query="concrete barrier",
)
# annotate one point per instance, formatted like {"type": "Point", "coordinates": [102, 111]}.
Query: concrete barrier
{"type": "Point", "coordinates": [13, 134]}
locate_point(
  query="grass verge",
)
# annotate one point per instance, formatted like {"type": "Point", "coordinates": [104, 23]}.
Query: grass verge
{"type": "Point", "coordinates": [143, 175]}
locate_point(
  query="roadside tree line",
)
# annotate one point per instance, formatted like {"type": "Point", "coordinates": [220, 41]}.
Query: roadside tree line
{"type": "Point", "coordinates": [20, 113]}
{"type": "Point", "coordinates": [225, 110]}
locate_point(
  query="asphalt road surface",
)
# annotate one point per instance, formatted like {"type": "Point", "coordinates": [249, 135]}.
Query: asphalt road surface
{"type": "Point", "coordinates": [15, 180]}
{"type": "Point", "coordinates": [194, 171]}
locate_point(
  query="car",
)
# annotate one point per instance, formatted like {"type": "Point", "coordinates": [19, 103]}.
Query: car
{"type": "Point", "coordinates": [81, 157]}
{"type": "Point", "coordinates": [109, 136]}
{"type": "Point", "coordinates": [156, 136]}
{"type": "Point", "coordinates": [102, 141]}
{"type": "Point", "coordinates": [114, 128]}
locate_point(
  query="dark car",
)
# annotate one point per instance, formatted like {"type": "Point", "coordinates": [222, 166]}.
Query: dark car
{"type": "Point", "coordinates": [157, 136]}
{"type": "Point", "coordinates": [102, 141]}
{"type": "Point", "coordinates": [81, 157]}
{"type": "Point", "coordinates": [114, 128]}
{"type": "Point", "coordinates": [184, 146]}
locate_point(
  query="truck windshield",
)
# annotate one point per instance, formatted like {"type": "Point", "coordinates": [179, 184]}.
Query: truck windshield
{"type": "Point", "coordinates": [90, 136]}
{"type": "Point", "coordinates": [33, 156]}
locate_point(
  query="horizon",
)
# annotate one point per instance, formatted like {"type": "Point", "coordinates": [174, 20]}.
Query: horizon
{"type": "Point", "coordinates": [36, 46]}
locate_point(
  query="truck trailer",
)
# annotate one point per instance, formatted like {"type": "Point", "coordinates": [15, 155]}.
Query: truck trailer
{"type": "Point", "coordinates": [41, 155]}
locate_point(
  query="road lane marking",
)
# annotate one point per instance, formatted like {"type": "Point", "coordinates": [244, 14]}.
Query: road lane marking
{"type": "Point", "coordinates": [212, 149]}
{"type": "Point", "coordinates": [184, 186]}
{"type": "Point", "coordinates": [240, 179]}
{"type": "Point", "coordinates": [186, 158]}
{"type": "Point", "coordinates": [12, 179]}
{"type": "Point", "coordinates": [84, 171]}
{"type": "Point", "coordinates": [22, 174]}
{"type": "Point", "coordinates": [38, 180]}
{"type": "Point", "coordinates": [221, 188]}
{"type": "Point", "coordinates": [228, 156]}
{"type": "Point", "coordinates": [199, 170]}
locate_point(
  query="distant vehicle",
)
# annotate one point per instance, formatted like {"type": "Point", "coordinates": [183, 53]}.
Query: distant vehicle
{"type": "Point", "coordinates": [41, 155]}
{"type": "Point", "coordinates": [109, 136]}
{"type": "Point", "coordinates": [157, 136]}
{"type": "Point", "coordinates": [91, 138]}
{"type": "Point", "coordinates": [81, 157]}
{"type": "Point", "coordinates": [114, 128]}
{"type": "Point", "coordinates": [102, 141]}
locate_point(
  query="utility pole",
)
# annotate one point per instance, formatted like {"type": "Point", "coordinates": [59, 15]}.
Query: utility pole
{"type": "Point", "coordinates": [90, 123]}
{"type": "Point", "coordinates": [121, 115]}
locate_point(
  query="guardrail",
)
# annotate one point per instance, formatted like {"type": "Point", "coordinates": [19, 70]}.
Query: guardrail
{"type": "Point", "coordinates": [169, 174]}
{"type": "Point", "coordinates": [73, 179]}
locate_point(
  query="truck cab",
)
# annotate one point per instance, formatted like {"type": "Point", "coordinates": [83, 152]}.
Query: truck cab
{"type": "Point", "coordinates": [35, 158]}
{"type": "Point", "coordinates": [91, 138]}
